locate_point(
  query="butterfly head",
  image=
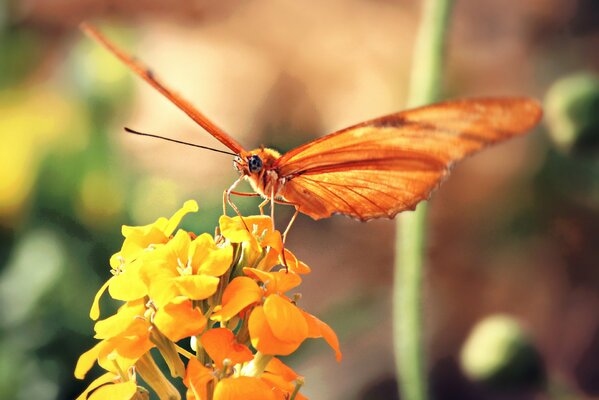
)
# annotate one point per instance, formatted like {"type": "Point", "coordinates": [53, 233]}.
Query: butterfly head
{"type": "Point", "coordinates": [255, 162]}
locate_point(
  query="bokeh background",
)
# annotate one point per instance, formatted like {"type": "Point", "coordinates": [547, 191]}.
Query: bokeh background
{"type": "Point", "coordinates": [514, 233]}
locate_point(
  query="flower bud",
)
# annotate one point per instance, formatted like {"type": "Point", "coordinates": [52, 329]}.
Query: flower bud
{"type": "Point", "coordinates": [500, 354]}
{"type": "Point", "coordinates": [572, 113]}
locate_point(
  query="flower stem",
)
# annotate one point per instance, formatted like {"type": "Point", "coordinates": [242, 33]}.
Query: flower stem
{"type": "Point", "coordinates": [257, 366]}
{"type": "Point", "coordinates": [425, 85]}
{"type": "Point", "coordinates": [149, 371]}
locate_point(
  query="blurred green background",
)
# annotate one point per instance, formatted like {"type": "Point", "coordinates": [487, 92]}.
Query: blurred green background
{"type": "Point", "coordinates": [512, 279]}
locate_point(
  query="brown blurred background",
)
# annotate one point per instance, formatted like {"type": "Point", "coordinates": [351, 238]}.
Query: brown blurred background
{"type": "Point", "coordinates": [514, 231]}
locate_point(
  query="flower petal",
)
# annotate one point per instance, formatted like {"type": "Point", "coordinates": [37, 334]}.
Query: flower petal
{"type": "Point", "coordinates": [137, 239]}
{"type": "Point", "coordinates": [196, 379]}
{"type": "Point", "coordinates": [263, 338]}
{"type": "Point", "coordinates": [243, 388]}
{"type": "Point", "coordinates": [296, 265]}
{"type": "Point", "coordinates": [234, 229]}
{"type": "Point", "coordinates": [285, 319]}
{"type": "Point", "coordinates": [117, 391]}
{"type": "Point", "coordinates": [277, 367]}
{"type": "Point", "coordinates": [207, 258]}
{"type": "Point", "coordinates": [124, 351]}
{"type": "Point", "coordinates": [179, 319]}
{"type": "Point", "coordinates": [128, 284]}
{"type": "Point", "coordinates": [86, 360]}
{"type": "Point", "coordinates": [104, 379]}
{"type": "Point", "coordinates": [317, 329]}
{"type": "Point", "coordinates": [196, 287]}
{"type": "Point", "coordinates": [94, 312]}
{"type": "Point", "coordinates": [269, 261]}
{"type": "Point", "coordinates": [173, 222]}
{"type": "Point", "coordinates": [276, 282]}
{"type": "Point", "coordinates": [126, 319]}
{"type": "Point", "coordinates": [273, 239]}
{"type": "Point", "coordinates": [281, 387]}
{"type": "Point", "coordinates": [240, 293]}
{"type": "Point", "coordinates": [220, 343]}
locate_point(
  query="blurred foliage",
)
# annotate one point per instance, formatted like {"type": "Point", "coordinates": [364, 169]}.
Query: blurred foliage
{"type": "Point", "coordinates": [62, 200]}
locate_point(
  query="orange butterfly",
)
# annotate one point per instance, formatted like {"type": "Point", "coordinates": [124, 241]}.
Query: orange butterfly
{"type": "Point", "coordinates": [374, 169]}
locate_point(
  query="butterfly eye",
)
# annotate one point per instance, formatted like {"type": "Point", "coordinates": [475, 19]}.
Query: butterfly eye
{"type": "Point", "coordinates": [254, 164]}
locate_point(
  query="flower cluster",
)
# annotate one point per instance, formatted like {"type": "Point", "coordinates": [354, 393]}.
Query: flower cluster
{"type": "Point", "coordinates": [220, 297]}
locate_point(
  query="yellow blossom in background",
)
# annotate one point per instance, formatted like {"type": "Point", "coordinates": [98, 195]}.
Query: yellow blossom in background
{"type": "Point", "coordinates": [226, 296]}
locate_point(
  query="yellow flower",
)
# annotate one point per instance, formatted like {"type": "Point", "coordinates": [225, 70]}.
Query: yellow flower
{"type": "Point", "coordinates": [187, 268]}
{"type": "Point", "coordinates": [223, 293]}
{"type": "Point", "coordinates": [109, 387]}
{"type": "Point", "coordinates": [135, 329]}
{"type": "Point", "coordinates": [262, 245]}
{"type": "Point", "coordinates": [139, 240]}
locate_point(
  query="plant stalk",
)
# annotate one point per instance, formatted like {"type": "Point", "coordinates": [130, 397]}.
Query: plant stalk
{"type": "Point", "coordinates": [425, 87]}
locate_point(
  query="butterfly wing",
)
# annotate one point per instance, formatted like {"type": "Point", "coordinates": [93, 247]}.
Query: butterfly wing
{"type": "Point", "coordinates": [146, 74]}
{"type": "Point", "coordinates": [387, 165]}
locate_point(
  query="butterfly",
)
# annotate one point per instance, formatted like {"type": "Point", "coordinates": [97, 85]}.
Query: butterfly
{"type": "Point", "coordinates": [374, 169]}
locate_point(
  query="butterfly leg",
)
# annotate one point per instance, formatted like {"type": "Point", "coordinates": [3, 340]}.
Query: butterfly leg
{"type": "Point", "coordinates": [272, 205]}
{"type": "Point", "coordinates": [227, 199]}
{"type": "Point", "coordinates": [291, 221]}
{"type": "Point", "coordinates": [261, 206]}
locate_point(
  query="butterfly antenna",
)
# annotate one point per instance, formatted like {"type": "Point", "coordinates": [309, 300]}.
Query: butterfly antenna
{"type": "Point", "coordinates": [129, 130]}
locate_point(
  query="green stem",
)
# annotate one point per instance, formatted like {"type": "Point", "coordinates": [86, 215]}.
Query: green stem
{"type": "Point", "coordinates": [425, 87]}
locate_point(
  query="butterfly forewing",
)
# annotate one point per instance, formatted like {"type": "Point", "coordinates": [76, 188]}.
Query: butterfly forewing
{"type": "Point", "coordinates": [387, 165]}
{"type": "Point", "coordinates": [146, 74]}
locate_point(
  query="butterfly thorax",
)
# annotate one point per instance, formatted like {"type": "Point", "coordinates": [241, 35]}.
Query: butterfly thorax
{"type": "Point", "coordinates": [258, 166]}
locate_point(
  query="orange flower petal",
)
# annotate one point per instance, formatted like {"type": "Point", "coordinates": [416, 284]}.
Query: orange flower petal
{"type": "Point", "coordinates": [276, 282]}
{"type": "Point", "coordinates": [296, 265]}
{"type": "Point", "coordinates": [274, 240]}
{"type": "Point", "coordinates": [269, 261]}
{"type": "Point", "coordinates": [94, 312]}
{"type": "Point", "coordinates": [220, 343]}
{"type": "Point", "coordinates": [196, 287]}
{"type": "Point", "coordinates": [117, 391]}
{"type": "Point", "coordinates": [280, 387]}
{"type": "Point", "coordinates": [277, 367]}
{"type": "Point", "coordinates": [243, 388]}
{"type": "Point", "coordinates": [240, 293]}
{"type": "Point", "coordinates": [208, 258]}
{"type": "Point", "coordinates": [196, 379]}
{"type": "Point", "coordinates": [281, 377]}
{"type": "Point", "coordinates": [285, 320]}
{"type": "Point", "coordinates": [179, 319]}
{"type": "Point", "coordinates": [129, 350]}
{"type": "Point", "coordinates": [317, 329]}
{"type": "Point", "coordinates": [263, 338]}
